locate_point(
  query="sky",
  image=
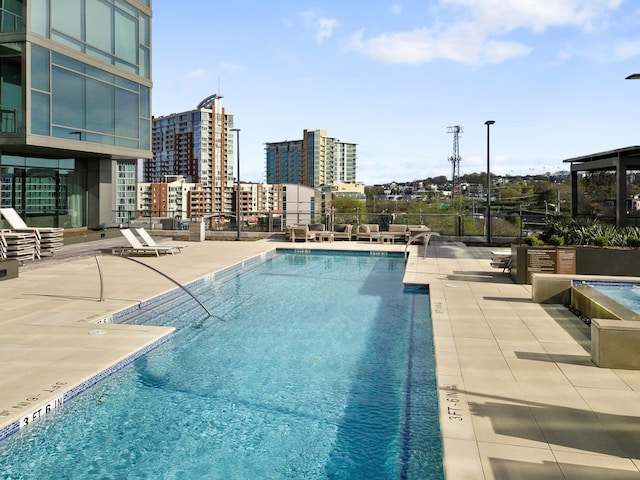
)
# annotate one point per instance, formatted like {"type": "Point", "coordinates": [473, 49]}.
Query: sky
{"type": "Point", "coordinates": [392, 76]}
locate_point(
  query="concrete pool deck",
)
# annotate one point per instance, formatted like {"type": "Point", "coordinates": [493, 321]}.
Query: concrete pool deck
{"type": "Point", "coordinates": [519, 395]}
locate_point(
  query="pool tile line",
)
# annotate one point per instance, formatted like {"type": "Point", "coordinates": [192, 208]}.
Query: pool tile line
{"type": "Point", "coordinates": [43, 409]}
{"type": "Point", "coordinates": [74, 392]}
{"type": "Point", "coordinates": [319, 251]}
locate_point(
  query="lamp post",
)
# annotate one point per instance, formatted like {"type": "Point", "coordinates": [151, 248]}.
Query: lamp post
{"type": "Point", "coordinates": [488, 123]}
{"type": "Point", "coordinates": [238, 214]}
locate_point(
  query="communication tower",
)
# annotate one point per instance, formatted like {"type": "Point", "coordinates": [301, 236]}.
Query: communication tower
{"type": "Point", "coordinates": [455, 160]}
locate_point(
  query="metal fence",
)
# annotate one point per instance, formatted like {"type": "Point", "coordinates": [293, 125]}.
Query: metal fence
{"type": "Point", "coordinates": [456, 225]}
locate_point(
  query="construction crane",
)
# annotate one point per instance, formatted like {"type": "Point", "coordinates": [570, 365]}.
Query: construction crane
{"type": "Point", "coordinates": [455, 160]}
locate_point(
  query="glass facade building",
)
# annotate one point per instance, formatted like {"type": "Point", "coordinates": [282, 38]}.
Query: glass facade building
{"type": "Point", "coordinates": [314, 161]}
{"type": "Point", "coordinates": [75, 99]}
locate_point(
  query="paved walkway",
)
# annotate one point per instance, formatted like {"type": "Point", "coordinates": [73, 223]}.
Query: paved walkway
{"type": "Point", "coordinates": [519, 396]}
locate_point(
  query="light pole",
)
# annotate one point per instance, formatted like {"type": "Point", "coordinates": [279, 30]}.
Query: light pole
{"type": "Point", "coordinates": [238, 215]}
{"type": "Point", "coordinates": [488, 123]}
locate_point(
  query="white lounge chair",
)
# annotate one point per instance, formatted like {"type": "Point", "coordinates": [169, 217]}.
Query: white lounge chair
{"type": "Point", "coordinates": [150, 242]}
{"type": "Point", "coordinates": [47, 239]}
{"type": "Point", "coordinates": [135, 247]}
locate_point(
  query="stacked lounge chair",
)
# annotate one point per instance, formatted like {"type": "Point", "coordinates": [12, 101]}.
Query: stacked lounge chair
{"type": "Point", "coordinates": [48, 240]}
{"type": "Point", "coordinates": [18, 246]}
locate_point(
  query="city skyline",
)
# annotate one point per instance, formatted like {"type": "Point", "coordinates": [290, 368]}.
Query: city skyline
{"type": "Point", "coordinates": [393, 77]}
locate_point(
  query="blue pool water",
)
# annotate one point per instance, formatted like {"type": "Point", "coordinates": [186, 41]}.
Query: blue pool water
{"type": "Point", "coordinates": [626, 294]}
{"type": "Point", "coordinates": [312, 367]}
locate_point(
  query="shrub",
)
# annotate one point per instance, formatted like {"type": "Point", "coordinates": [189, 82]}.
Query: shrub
{"type": "Point", "coordinates": [601, 241]}
{"type": "Point", "coordinates": [585, 232]}
{"type": "Point", "coordinates": [633, 241]}
{"type": "Point", "coordinates": [531, 240]}
{"type": "Point", "coordinates": [556, 240]}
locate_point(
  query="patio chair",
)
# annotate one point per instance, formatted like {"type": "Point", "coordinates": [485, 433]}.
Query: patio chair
{"type": "Point", "coordinates": [150, 242]}
{"type": "Point", "coordinates": [399, 232]}
{"type": "Point", "coordinates": [368, 231]}
{"type": "Point", "coordinates": [301, 232]}
{"type": "Point", "coordinates": [342, 231]}
{"type": "Point", "coordinates": [135, 247]}
{"type": "Point", "coordinates": [47, 239]}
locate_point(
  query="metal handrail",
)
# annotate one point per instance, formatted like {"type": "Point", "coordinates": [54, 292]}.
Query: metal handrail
{"type": "Point", "coordinates": [101, 279]}
{"type": "Point", "coordinates": [157, 271]}
{"type": "Point", "coordinates": [418, 236]}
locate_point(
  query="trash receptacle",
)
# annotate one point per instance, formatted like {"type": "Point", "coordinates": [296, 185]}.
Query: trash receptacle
{"type": "Point", "coordinates": [196, 232]}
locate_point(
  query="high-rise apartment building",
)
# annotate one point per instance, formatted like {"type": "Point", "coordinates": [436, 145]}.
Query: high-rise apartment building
{"type": "Point", "coordinates": [314, 161]}
{"type": "Point", "coordinates": [124, 185]}
{"type": "Point", "coordinates": [174, 199]}
{"type": "Point", "coordinates": [75, 99]}
{"type": "Point", "coordinates": [197, 145]}
{"type": "Point", "coordinates": [260, 198]}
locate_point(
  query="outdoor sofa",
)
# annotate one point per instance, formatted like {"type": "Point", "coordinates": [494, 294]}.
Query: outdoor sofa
{"type": "Point", "coordinates": [368, 231]}
{"type": "Point", "coordinates": [399, 232]}
{"type": "Point", "coordinates": [342, 231]}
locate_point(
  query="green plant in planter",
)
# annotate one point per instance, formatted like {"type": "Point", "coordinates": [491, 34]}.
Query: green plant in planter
{"type": "Point", "coordinates": [633, 241]}
{"type": "Point", "coordinates": [601, 241]}
{"type": "Point", "coordinates": [556, 240]}
{"type": "Point", "coordinates": [531, 240]}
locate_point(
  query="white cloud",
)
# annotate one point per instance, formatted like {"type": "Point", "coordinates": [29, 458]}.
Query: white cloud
{"type": "Point", "coordinates": [396, 9]}
{"type": "Point", "coordinates": [626, 50]}
{"type": "Point", "coordinates": [421, 46]}
{"type": "Point", "coordinates": [478, 30]}
{"type": "Point", "coordinates": [324, 28]}
{"type": "Point", "coordinates": [536, 15]}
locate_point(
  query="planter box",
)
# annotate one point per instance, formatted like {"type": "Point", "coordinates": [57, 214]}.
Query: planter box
{"type": "Point", "coordinates": [8, 269]}
{"type": "Point", "coordinates": [578, 260]}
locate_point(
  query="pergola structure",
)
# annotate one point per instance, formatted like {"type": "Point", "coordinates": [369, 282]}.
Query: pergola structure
{"type": "Point", "coordinates": [620, 160]}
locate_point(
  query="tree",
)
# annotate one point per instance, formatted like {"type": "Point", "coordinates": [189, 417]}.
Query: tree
{"type": "Point", "coordinates": [348, 204]}
{"type": "Point", "coordinates": [374, 192]}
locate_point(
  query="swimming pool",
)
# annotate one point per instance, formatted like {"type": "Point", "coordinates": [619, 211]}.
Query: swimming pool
{"type": "Point", "coordinates": [626, 294]}
{"type": "Point", "coordinates": [313, 366]}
